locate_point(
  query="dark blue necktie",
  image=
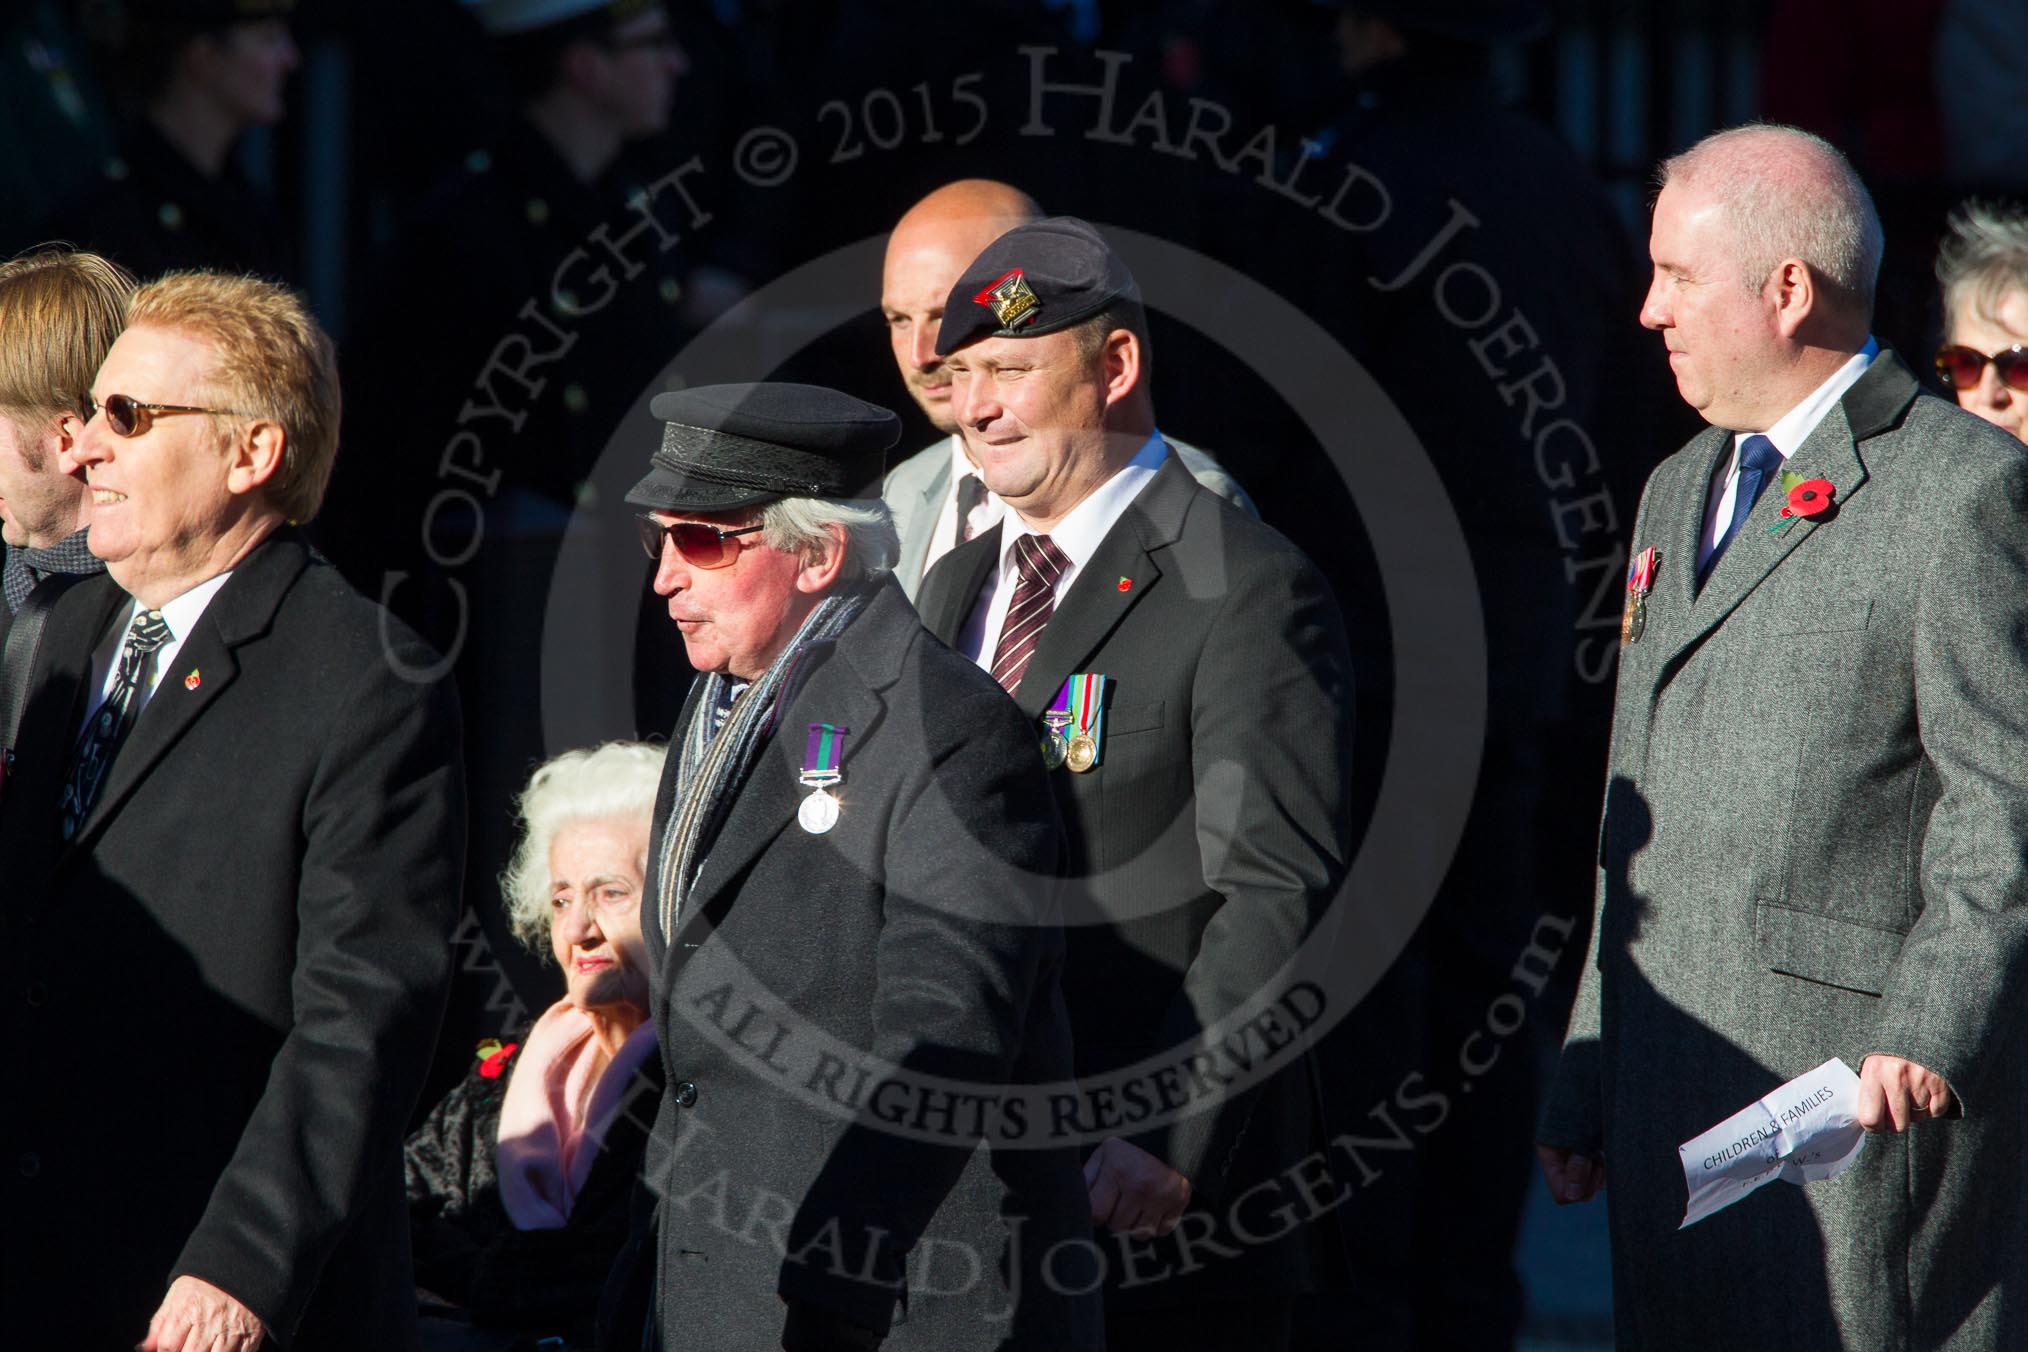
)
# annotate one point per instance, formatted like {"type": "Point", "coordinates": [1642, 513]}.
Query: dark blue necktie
{"type": "Point", "coordinates": [112, 721]}
{"type": "Point", "coordinates": [1759, 461]}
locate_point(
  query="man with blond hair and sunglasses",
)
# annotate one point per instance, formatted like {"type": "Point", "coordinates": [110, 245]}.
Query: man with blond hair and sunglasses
{"type": "Point", "coordinates": [233, 837]}
{"type": "Point", "coordinates": [59, 314]}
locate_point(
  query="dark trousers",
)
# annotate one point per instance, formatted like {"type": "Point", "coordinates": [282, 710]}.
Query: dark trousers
{"type": "Point", "coordinates": [1256, 1324]}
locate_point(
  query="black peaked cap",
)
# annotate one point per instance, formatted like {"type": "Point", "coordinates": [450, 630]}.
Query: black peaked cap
{"type": "Point", "coordinates": [725, 447]}
{"type": "Point", "coordinates": [1035, 279]}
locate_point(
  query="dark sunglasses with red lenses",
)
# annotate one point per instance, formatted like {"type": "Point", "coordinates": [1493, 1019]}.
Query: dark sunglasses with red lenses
{"type": "Point", "coordinates": [129, 417]}
{"type": "Point", "coordinates": [700, 546]}
{"type": "Point", "coordinates": [1963, 367]}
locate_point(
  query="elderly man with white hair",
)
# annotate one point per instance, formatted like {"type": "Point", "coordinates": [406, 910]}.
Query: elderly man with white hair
{"type": "Point", "coordinates": [1815, 841]}
{"type": "Point", "coordinates": [850, 923]}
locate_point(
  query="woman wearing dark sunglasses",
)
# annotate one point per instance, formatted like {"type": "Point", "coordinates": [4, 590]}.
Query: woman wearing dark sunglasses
{"type": "Point", "coordinates": [1983, 266]}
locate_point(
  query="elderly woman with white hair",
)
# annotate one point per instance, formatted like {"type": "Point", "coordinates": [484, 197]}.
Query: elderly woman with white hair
{"type": "Point", "coordinates": [518, 1182]}
{"type": "Point", "coordinates": [1983, 268]}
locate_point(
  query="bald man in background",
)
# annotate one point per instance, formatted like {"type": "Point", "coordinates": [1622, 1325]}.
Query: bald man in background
{"type": "Point", "coordinates": [937, 498]}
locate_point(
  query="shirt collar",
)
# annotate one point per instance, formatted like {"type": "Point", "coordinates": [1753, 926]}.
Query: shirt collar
{"type": "Point", "coordinates": [182, 614]}
{"type": "Point", "coordinates": [1082, 529]}
{"type": "Point", "coordinates": [1795, 427]}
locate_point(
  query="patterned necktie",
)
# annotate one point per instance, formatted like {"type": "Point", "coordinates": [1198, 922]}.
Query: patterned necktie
{"type": "Point", "coordinates": [1038, 563]}
{"type": "Point", "coordinates": [971, 492]}
{"type": "Point", "coordinates": [112, 721]}
{"type": "Point", "coordinates": [1759, 461]}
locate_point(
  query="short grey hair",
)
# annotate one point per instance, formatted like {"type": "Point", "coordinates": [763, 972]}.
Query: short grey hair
{"type": "Point", "coordinates": [1788, 193]}
{"type": "Point", "coordinates": [800, 526]}
{"type": "Point", "coordinates": [616, 781]}
{"type": "Point", "coordinates": [1983, 259]}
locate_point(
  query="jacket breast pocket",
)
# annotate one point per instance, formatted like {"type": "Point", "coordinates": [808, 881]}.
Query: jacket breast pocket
{"type": "Point", "coordinates": [1814, 615]}
{"type": "Point", "coordinates": [1829, 951]}
{"type": "Point", "coordinates": [1125, 718]}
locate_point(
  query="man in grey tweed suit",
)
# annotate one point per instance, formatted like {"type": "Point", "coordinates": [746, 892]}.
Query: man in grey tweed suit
{"type": "Point", "coordinates": [1815, 820]}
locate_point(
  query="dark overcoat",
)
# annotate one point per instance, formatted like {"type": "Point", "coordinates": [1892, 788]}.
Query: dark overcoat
{"type": "Point", "coordinates": [839, 1016]}
{"type": "Point", "coordinates": [1815, 844]}
{"type": "Point", "coordinates": [1205, 848]}
{"type": "Point", "coordinates": [222, 996]}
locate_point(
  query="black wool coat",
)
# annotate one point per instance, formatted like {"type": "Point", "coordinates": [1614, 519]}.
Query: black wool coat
{"type": "Point", "coordinates": [222, 997]}
{"type": "Point", "coordinates": [545, 1283]}
{"type": "Point", "coordinates": [920, 933]}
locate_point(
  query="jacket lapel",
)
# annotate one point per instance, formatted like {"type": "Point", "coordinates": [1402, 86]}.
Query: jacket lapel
{"type": "Point", "coordinates": [49, 726]}
{"type": "Point", "coordinates": [842, 688]}
{"type": "Point", "coordinates": [243, 609]}
{"type": "Point", "coordinates": [1830, 452]}
{"type": "Point", "coordinates": [1095, 604]}
{"type": "Point", "coordinates": [952, 588]}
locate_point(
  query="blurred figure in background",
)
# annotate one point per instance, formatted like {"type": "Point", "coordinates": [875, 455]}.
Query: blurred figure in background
{"type": "Point", "coordinates": [59, 314]}
{"type": "Point", "coordinates": [60, 132]}
{"type": "Point", "coordinates": [499, 348]}
{"type": "Point", "coordinates": [194, 77]}
{"type": "Point", "coordinates": [518, 1183]}
{"type": "Point", "coordinates": [1983, 269]}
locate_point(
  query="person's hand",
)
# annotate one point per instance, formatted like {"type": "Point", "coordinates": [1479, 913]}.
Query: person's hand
{"type": "Point", "coordinates": [1132, 1192]}
{"type": "Point", "coordinates": [198, 1317]}
{"type": "Point", "coordinates": [1894, 1093]}
{"type": "Point", "coordinates": [1571, 1177]}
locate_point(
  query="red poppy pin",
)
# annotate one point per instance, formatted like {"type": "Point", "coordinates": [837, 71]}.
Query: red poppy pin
{"type": "Point", "coordinates": [1126, 584]}
{"type": "Point", "coordinates": [1807, 497]}
{"type": "Point", "coordinates": [193, 680]}
{"type": "Point", "coordinates": [493, 1057]}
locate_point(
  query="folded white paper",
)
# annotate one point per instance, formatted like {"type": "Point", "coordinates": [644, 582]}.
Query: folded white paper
{"type": "Point", "coordinates": [1806, 1130]}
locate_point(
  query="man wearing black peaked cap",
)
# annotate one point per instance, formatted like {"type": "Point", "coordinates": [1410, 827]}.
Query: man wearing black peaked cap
{"type": "Point", "coordinates": [850, 923]}
{"type": "Point", "coordinates": [1186, 667]}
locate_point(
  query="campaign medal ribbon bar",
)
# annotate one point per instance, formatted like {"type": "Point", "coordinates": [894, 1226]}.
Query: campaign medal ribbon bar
{"type": "Point", "coordinates": [1087, 699]}
{"type": "Point", "coordinates": [1640, 581]}
{"type": "Point", "coordinates": [819, 812]}
{"type": "Point", "coordinates": [1056, 746]}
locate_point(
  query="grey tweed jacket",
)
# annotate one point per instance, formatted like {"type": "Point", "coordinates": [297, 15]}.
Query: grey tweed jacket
{"type": "Point", "coordinates": [1813, 846]}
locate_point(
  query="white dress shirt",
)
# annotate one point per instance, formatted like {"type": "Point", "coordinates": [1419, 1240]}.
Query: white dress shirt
{"type": "Point", "coordinates": [181, 615]}
{"type": "Point", "coordinates": [1788, 436]}
{"type": "Point", "coordinates": [1077, 535]}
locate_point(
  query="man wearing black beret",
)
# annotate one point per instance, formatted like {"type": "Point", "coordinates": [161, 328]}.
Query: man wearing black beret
{"type": "Point", "coordinates": [850, 923]}
{"type": "Point", "coordinates": [1187, 668]}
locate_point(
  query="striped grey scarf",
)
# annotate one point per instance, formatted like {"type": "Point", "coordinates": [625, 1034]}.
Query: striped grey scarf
{"type": "Point", "coordinates": [716, 759]}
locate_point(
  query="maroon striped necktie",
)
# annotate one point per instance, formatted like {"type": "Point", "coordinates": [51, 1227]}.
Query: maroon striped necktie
{"type": "Point", "coordinates": [1038, 563]}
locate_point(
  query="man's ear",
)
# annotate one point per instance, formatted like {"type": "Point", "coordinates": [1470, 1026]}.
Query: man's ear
{"type": "Point", "coordinates": [1792, 292]}
{"type": "Point", "coordinates": [256, 456]}
{"type": "Point", "coordinates": [819, 573]}
{"type": "Point", "coordinates": [1120, 365]}
{"type": "Point", "coordinates": [60, 436]}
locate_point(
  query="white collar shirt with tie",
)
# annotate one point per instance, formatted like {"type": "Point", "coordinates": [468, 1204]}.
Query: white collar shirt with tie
{"type": "Point", "coordinates": [1078, 535]}
{"type": "Point", "coordinates": [1788, 435]}
{"type": "Point", "coordinates": [181, 615]}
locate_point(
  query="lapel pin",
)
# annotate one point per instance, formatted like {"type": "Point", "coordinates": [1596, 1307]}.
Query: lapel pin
{"type": "Point", "coordinates": [193, 680]}
{"type": "Point", "coordinates": [1126, 584]}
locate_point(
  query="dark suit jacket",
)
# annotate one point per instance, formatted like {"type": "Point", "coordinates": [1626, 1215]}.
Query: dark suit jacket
{"type": "Point", "coordinates": [1212, 836]}
{"type": "Point", "coordinates": [221, 998]}
{"type": "Point", "coordinates": [922, 930]}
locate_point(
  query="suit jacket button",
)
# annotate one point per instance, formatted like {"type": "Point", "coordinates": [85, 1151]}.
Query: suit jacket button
{"type": "Point", "coordinates": [686, 1095]}
{"type": "Point", "coordinates": [31, 1164]}
{"type": "Point", "coordinates": [37, 995]}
